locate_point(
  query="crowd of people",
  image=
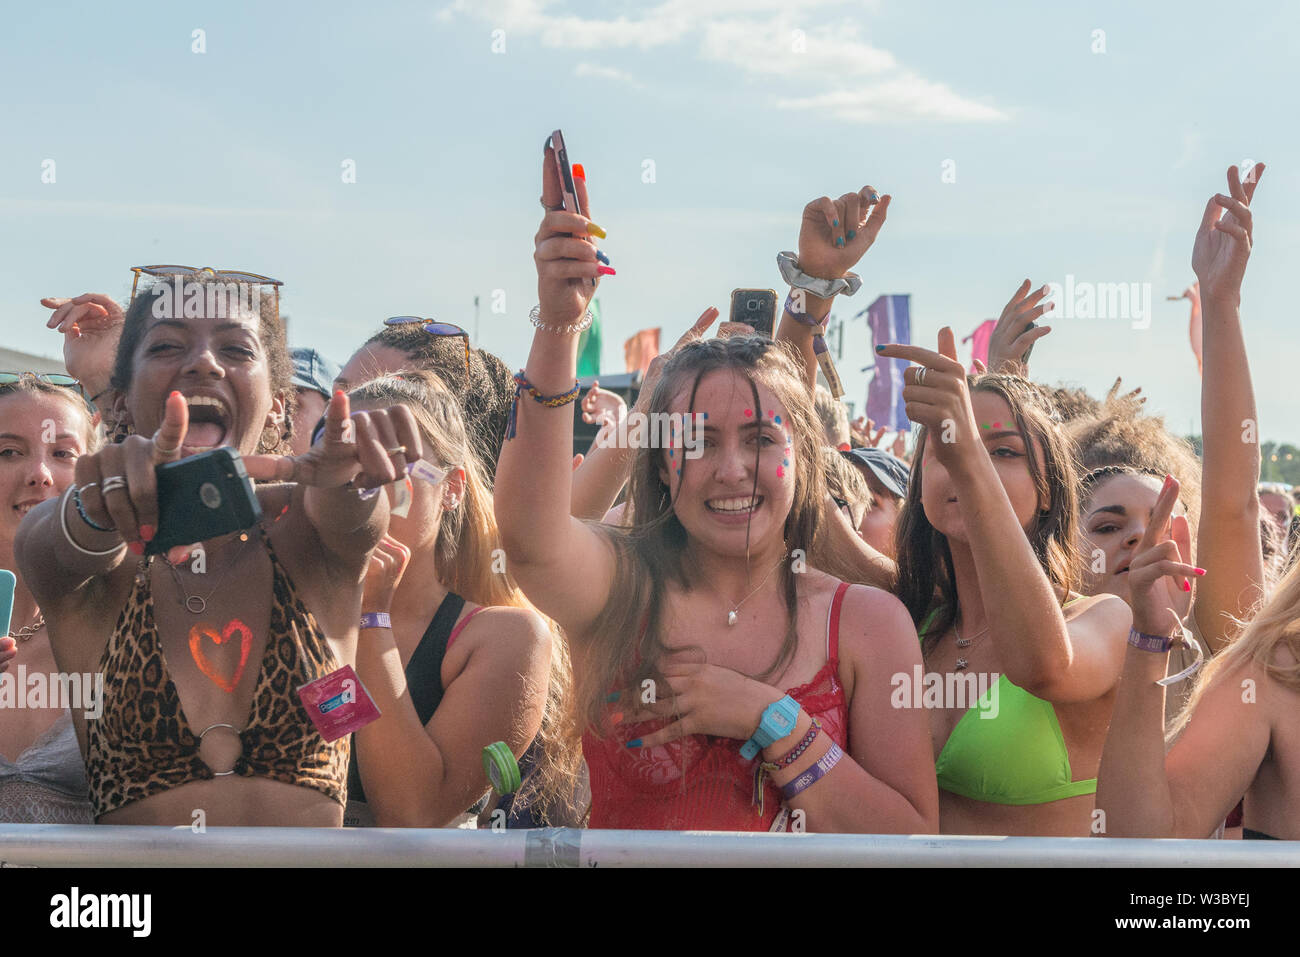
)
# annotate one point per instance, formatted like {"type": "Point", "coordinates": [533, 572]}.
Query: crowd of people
{"type": "Point", "coordinates": [1043, 615]}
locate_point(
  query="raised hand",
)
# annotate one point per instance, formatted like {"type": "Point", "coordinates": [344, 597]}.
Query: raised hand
{"type": "Point", "coordinates": [936, 396]}
{"type": "Point", "coordinates": [564, 251]}
{"type": "Point", "coordinates": [366, 450]}
{"type": "Point", "coordinates": [1158, 574]}
{"type": "Point", "coordinates": [387, 564]}
{"type": "Point", "coordinates": [1224, 241]}
{"type": "Point", "coordinates": [1015, 333]}
{"type": "Point", "coordinates": [129, 503]}
{"type": "Point", "coordinates": [834, 234]}
{"type": "Point", "coordinates": [860, 428]}
{"type": "Point", "coordinates": [603, 407]}
{"type": "Point", "coordinates": [91, 325]}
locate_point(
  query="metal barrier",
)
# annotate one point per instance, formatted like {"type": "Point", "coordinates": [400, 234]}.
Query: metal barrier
{"type": "Point", "coordinates": [52, 845]}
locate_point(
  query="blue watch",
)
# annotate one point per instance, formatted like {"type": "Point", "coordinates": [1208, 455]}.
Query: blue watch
{"type": "Point", "coordinates": [779, 719]}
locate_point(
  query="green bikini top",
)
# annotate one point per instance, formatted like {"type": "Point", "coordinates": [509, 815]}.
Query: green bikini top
{"type": "Point", "coordinates": [1012, 755]}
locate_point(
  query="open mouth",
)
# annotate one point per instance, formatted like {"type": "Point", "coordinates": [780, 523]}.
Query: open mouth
{"type": "Point", "coordinates": [22, 508]}
{"type": "Point", "coordinates": [209, 423]}
{"type": "Point", "coordinates": [734, 506]}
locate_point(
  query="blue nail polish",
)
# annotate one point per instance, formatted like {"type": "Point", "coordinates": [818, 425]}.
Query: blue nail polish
{"type": "Point", "coordinates": [835, 222]}
{"type": "Point", "coordinates": [602, 257]}
{"type": "Point", "coordinates": [880, 348]}
{"type": "Point", "coordinates": [852, 233]}
{"type": "Point", "coordinates": [840, 241]}
{"type": "Point", "coordinates": [634, 743]}
{"type": "Point", "coordinates": [613, 696]}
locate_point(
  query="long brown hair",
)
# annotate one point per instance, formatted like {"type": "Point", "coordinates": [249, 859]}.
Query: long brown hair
{"type": "Point", "coordinates": [650, 551]}
{"type": "Point", "coordinates": [464, 556]}
{"type": "Point", "coordinates": [924, 557]}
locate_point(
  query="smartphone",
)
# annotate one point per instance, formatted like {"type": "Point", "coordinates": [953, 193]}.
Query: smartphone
{"type": "Point", "coordinates": [567, 188]}
{"type": "Point", "coordinates": [203, 497]}
{"type": "Point", "coordinates": [8, 582]}
{"type": "Point", "coordinates": [756, 308]}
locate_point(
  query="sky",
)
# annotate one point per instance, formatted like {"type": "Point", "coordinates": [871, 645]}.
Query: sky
{"type": "Point", "coordinates": [1018, 140]}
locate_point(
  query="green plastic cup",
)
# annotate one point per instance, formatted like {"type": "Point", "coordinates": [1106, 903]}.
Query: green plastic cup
{"type": "Point", "coordinates": [501, 768]}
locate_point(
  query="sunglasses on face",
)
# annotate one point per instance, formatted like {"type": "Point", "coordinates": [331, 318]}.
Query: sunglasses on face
{"type": "Point", "coordinates": [234, 275]}
{"type": "Point", "coordinates": [435, 328]}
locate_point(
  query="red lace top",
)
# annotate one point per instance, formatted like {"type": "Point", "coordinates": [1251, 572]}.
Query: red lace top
{"type": "Point", "coordinates": [700, 782]}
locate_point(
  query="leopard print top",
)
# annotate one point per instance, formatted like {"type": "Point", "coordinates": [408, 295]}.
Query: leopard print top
{"type": "Point", "coordinates": [143, 744]}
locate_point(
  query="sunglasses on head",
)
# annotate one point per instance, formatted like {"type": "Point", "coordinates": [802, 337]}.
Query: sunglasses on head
{"type": "Point", "coordinates": [49, 378]}
{"type": "Point", "coordinates": [234, 275]}
{"type": "Point", "coordinates": [435, 328]}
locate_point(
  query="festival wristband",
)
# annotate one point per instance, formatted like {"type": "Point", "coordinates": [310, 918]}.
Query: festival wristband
{"type": "Point", "coordinates": [1158, 644]}
{"type": "Point", "coordinates": [1190, 669]}
{"type": "Point", "coordinates": [801, 316]}
{"type": "Point", "coordinates": [376, 619]}
{"type": "Point", "coordinates": [823, 354]}
{"type": "Point", "coordinates": [791, 756]}
{"type": "Point", "coordinates": [814, 774]}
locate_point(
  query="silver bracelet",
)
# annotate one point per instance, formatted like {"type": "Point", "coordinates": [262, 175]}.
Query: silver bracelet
{"type": "Point", "coordinates": [582, 324]}
{"type": "Point", "coordinates": [63, 521]}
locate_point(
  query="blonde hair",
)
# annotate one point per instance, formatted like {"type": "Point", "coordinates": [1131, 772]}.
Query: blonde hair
{"type": "Point", "coordinates": [463, 555]}
{"type": "Point", "coordinates": [29, 385]}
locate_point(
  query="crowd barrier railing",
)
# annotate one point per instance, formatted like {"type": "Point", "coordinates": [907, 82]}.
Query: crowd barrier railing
{"type": "Point", "coordinates": [47, 845]}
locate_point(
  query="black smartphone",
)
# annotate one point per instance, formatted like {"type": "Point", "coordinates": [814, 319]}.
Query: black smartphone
{"type": "Point", "coordinates": [562, 166]}
{"type": "Point", "coordinates": [202, 497]}
{"type": "Point", "coordinates": [756, 308]}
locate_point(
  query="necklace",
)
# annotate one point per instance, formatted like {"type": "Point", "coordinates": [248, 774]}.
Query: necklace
{"type": "Point", "coordinates": [29, 632]}
{"type": "Point", "coordinates": [962, 663]}
{"type": "Point", "coordinates": [731, 615]}
{"type": "Point", "coordinates": [197, 604]}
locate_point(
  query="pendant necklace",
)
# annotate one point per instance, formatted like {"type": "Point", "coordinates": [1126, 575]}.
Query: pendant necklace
{"type": "Point", "coordinates": [962, 663]}
{"type": "Point", "coordinates": [197, 604]}
{"type": "Point", "coordinates": [731, 615]}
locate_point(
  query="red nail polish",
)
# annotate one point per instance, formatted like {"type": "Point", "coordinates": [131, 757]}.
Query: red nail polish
{"type": "Point", "coordinates": [135, 548]}
{"type": "Point", "coordinates": [606, 271]}
{"type": "Point", "coordinates": [579, 172]}
{"type": "Point", "coordinates": [1200, 571]}
{"type": "Point", "coordinates": [337, 393]}
{"type": "Point", "coordinates": [1187, 586]}
{"type": "Point", "coordinates": [173, 395]}
{"type": "Point", "coordinates": [1169, 480]}
{"type": "Point", "coordinates": [147, 532]}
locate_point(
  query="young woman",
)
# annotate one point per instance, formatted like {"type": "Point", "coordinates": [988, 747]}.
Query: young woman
{"type": "Point", "coordinates": [699, 642]}
{"type": "Point", "coordinates": [201, 659]}
{"type": "Point", "coordinates": [454, 657]}
{"type": "Point", "coordinates": [1237, 734]}
{"type": "Point", "coordinates": [986, 565]}
{"type": "Point", "coordinates": [44, 429]}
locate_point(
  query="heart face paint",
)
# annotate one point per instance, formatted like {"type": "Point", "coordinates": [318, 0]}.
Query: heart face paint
{"type": "Point", "coordinates": [205, 630]}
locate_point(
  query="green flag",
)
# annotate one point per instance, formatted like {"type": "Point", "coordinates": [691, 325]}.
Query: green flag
{"type": "Point", "coordinates": [589, 345]}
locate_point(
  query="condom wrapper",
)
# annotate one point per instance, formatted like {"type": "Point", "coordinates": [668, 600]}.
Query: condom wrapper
{"type": "Point", "coordinates": [1190, 669]}
{"type": "Point", "coordinates": [423, 470]}
{"type": "Point", "coordinates": [501, 768]}
{"type": "Point", "coordinates": [338, 704]}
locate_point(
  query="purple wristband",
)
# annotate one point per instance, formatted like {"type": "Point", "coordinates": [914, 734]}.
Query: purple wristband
{"type": "Point", "coordinates": [1143, 642]}
{"type": "Point", "coordinates": [376, 619]}
{"type": "Point", "coordinates": [802, 317]}
{"type": "Point", "coordinates": [814, 774]}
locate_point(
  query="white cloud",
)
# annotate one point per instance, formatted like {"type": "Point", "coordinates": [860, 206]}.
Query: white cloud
{"type": "Point", "coordinates": [789, 44]}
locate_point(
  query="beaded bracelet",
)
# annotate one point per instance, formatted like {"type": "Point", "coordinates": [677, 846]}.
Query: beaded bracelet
{"type": "Point", "coordinates": [556, 401]}
{"type": "Point", "coordinates": [535, 315]}
{"type": "Point", "coordinates": [814, 774]}
{"type": "Point", "coordinates": [76, 501]}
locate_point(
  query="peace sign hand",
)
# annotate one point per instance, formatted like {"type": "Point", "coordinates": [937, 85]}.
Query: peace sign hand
{"type": "Point", "coordinates": [1159, 590]}
{"type": "Point", "coordinates": [834, 234]}
{"type": "Point", "coordinates": [1224, 241]}
{"type": "Point", "coordinates": [364, 449]}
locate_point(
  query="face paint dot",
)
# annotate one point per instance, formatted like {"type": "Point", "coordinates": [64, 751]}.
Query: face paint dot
{"type": "Point", "coordinates": [777, 420]}
{"type": "Point", "coordinates": [997, 425]}
{"type": "Point", "coordinates": [984, 425]}
{"type": "Point", "coordinates": [785, 462]}
{"type": "Point", "coordinates": [670, 453]}
{"type": "Point", "coordinates": [706, 415]}
{"type": "Point", "coordinates": [771, 413]}
{"type": "Point", "coordinates": [749, 413]}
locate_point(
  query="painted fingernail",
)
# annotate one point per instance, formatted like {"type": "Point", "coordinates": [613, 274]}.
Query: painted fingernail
{"type": "Point", "coordinates": [880, 348]}
{"type": "Point", "coordinates": [136, 548]}
{"type": "Point", "coordinates": [602, 257]}
{"type": "Point", "coordinates": [606, 271]}
{"type": "Point", "coordinates": [634, 743]}
{"type": "Point", "coordinates": [337, 393]}
{"type": "Point", "coordinates": [616, 717]}
{"type": "Point", "coordinates": [594, 230]}
{"type": "Point", "coordinates": [578, 171]}
{"type": "Point", "coordinates": [173, 395]}
{"type": "Point", "coordinates": [1200, 571]}
{"type": "Point", "coordinates": [147, 532]}
{"type": "Point", "coordinates": [839, 241]}
{"type": "Point", "coordinates": [1187, 586]}
{"type": "Point", "coordinates": [613, 696]}
{"type": "Point", "coordinates": [835, 222]}
{"type": "Point", "coordinates": [852, 233]}
{"type": "Point", "coordinates": [873, 195]}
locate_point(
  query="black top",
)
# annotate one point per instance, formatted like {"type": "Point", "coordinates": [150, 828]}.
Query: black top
{"type": "Point", "coordinates": [423, 677]}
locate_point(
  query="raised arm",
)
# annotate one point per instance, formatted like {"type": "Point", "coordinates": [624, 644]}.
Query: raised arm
{"type": "Point", "coordinates": [1016, 331]}
{"type": "Point", "coordinates": [563, 565]}
{"type": "Point", "coordinates": [1228, 537]}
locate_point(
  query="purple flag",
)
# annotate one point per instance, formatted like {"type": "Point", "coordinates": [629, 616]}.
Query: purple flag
{"type": "Point", "coordinates": [890, 320]}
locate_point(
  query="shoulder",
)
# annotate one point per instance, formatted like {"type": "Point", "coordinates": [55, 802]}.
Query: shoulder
{"type": "Point", "coordinates": [507, 629]}
{"type": "Point", "coordinates": [1103, 615]}
{"type": "Point", "coordinates": [875, 627]}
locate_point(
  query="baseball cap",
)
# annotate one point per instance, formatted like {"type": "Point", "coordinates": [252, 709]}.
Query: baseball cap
{"type": "Point", "coordinates": [311, 370]}
{"type": "Point", "coordinates": [893, 473]}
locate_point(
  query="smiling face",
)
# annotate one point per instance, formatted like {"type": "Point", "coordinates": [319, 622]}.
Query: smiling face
{"type": "Point", "coordinates": [222, 369]}
{"type": "Point", "coordinates": [41, 437]}
{"type": "Point", "coordinates": [715, 496]}
{"type": "Point", "coordinates": [1006, 446]}
{"type": "Point", "coordinates": [1114, 520]}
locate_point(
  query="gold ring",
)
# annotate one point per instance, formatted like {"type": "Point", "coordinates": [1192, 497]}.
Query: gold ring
{"type": "Point", "coordinates": [395, 450]}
